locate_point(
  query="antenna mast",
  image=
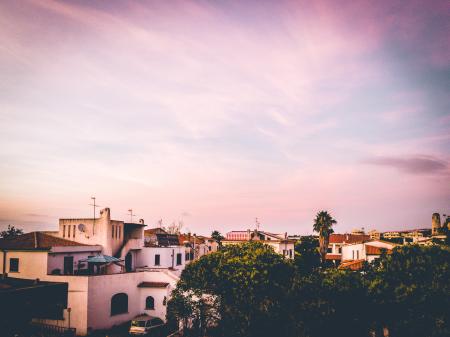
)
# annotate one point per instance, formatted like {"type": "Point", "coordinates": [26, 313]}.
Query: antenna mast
{"type": "Point", "coordinates": [131, 215]}
{"type": "Point", "coordinates": [94, 206]}
{"type": "Point", "coordinates": [257, 223]}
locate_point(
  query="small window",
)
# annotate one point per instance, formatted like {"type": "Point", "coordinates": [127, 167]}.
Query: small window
{"type": "Point", "coordinates": [150, 303]}
{"type": "Point", "coordinates": [330, 250]}
{"type": "Point", "coordinates": [357, 254]}
{"type": "Point", "coordinates": [118, 235]}
{"type": "Point", "coordinates": [179, 258]}
{"type": "Point", "coordinates": [119, 304]}
{"type": "Point", "coordinates": [64, 231]}
{"type": "Point", "coordinates": [113, 231]}
{"type": "Point", "coordinates": [14, 265]}
{"type": "Point", "coordinates": [340, 250]}
{"type": "Point", "coordinates": [186, 257]}
{"type": "Point", "coordinates": [157, 260]}
{"type": "Point", "coordinates": [68, 231]}
{"type": "Point", "coordinates": [73, 234]}
{"type": "Point", "coordinates": [353, 254]}
{"type": "Point", "coordinates": [290, 253]}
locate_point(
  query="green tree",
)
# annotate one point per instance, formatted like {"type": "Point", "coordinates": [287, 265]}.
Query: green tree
{"type": "Point", "coordinates": [251, 283]}
{"type": "Point", "coordinates": [218, 237]}
{"type": "Point", "coordinates": [323, 224]}
{"type": "Point", "coordinates": [330, 302]}
{"type": "Point", "coordinates": [11, 232]}
{"type": "Point", "coordinates": [410, 291]}
{"type": "Point", "coordinates": [307, 257]}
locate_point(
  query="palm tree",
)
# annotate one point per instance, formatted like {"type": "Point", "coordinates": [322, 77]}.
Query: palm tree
{"type": "Point", "coordinates": [323, 224]}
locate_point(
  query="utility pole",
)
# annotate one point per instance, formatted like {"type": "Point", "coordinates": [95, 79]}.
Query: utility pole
{"type": "Point", "coordinates": [94, 206]}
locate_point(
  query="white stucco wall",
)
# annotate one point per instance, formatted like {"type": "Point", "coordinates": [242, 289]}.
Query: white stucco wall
{"type": "Point", "coordinates": [102, 288]}
{"type": "Point", "coordinates": [168, 257]}
{"type": "Point", "coordinates": [353, 252]}
{"type": "Point", "coordinates": [100, 234]}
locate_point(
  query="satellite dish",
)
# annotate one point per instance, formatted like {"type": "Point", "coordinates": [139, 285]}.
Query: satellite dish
{"type": "Point", "coordinates": [82, 228]}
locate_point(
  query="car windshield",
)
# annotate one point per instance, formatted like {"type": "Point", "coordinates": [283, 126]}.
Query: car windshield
{"type": "Point", "coordinates": [139, 324]}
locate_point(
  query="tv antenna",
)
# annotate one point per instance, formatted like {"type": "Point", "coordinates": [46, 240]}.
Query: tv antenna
{"type": "Point", "coordinates": [130, 213]}
{"type": "Point", "coordinates": [257, 223]}
{"type": "Point", "coordinates": [94, 205]}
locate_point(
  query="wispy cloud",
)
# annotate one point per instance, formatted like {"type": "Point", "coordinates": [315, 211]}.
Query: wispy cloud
{"type": "Point", "coordinates": [414, 165]}
{"type": "Point", "coordinates": [227, 109]}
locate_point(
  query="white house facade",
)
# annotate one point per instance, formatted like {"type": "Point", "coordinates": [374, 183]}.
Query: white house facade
{"type": "Point", "coordinates": [111, 275]}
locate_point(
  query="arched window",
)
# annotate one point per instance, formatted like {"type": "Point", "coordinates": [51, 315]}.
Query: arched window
{"type": "Point", "coordinates": [119, 304]}
{"type": "Point", "coordinates": [150, 303]}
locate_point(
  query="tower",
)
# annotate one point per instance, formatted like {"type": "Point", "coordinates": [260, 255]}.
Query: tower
{"type": "Point", "coordinates": [435, 224]}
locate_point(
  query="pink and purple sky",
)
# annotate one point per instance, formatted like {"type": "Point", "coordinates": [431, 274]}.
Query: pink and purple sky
{"type": "Point", "coordinates": [217, 112]}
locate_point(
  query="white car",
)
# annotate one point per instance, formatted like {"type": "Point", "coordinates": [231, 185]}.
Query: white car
{"type": "Point", "coordinates": [144, 324]}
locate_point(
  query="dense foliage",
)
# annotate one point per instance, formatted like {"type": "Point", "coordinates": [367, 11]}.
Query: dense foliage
{"type": "Point", "coordinates": [249, 290]}
{"type": "Point", "coordinates": [11, 232]}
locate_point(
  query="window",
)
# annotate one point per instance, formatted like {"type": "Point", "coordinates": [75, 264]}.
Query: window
{"type": "Point", "coordinates": [68, 231]}
{"type": "Point", "coordinates": [119, 304]}
{"type": "Point", "coordinates": [157, 260]}
{"type": "Point", "coordinates": [290, 253]}
{"type": "Point", "coordinates": [64, 231]}
{"type": "Point", "coordinates": [68, 265]}
{"type": "Point", "coordinates": [179, 258]}
{"type": "Point", "coordinates": [330, 250]}
{"type": "Point", "coordinates": [150, 303]}
{"type": "Point", "coordinates": [353, 254]}
{"type": "Point", "coordinates": [113, 231]}
{"type": "Point", "coordinates": [14, 265]}
{"type": "Point", "coordinates": [118, 231]}
{"type": "Point", "coordinates": [73, 234]}
{"type": "Point", "coordinates": [340, 250]}
{"type": "Point", "coordinates": [186, 257]}
{"type": "Point", "coordinates": [357, 254]}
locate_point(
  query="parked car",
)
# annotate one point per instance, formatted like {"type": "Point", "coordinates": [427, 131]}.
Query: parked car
{"type": "Point", "coordinates": [145, 324]}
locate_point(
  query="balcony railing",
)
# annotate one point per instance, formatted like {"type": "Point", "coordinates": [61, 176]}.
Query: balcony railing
{"type": "Point", "coordinates": [53, 330]}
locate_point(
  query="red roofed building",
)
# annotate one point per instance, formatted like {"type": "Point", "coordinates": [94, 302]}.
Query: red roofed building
{"type": "Point", "coordinates": [337, 241]}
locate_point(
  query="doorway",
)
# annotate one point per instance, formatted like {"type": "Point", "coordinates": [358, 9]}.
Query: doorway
{"type": "Point", "coordinates": [129, 262]}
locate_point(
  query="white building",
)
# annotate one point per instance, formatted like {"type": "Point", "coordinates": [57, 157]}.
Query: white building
{"type": "Point", "coordinates": [337, 241]}
{"type": "Point", "coordinates": [279, 242]}
{"type": "Point", "coordinates": [100, 295]}
{"type": "Point", "coordinates": [366, 251]}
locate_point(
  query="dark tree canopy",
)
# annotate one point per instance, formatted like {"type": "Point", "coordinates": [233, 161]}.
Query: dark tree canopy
{"type": "Point", "coordinates": [11, 232]}
{"type": "Point", "coordinates": [217, 236]}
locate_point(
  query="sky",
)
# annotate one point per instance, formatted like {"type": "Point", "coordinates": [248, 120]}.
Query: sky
{"type": "Point", "coordinates": [215, 113]}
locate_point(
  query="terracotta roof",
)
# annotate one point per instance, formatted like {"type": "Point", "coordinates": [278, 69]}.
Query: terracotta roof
{"type": "Point", "coordinates": [349, 238]}
{"type": "Point", "coordinates": [333, 257]}
{"type": "Point", "coordinates": [352, 264]}
{"type": "Point", "coordinates": [373, 250]}
{"type": "Point", "coordinates": [36, 241]}
{"type": "Point", "coordinates": [153, 285]}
